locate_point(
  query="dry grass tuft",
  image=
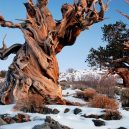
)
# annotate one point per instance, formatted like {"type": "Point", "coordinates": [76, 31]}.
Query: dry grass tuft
{"type": "Point", "coordinates": [102, 101]}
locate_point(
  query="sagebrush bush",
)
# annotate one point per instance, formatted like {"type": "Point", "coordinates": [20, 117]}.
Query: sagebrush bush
{"type": "Point", "coordinates": [102, 101]}
{"type": "Point", "coordinates": [112, 115]}
{"type": "Point", "coordinates": [80, 94]}
{"type": "Point", "coordinates": [87, 94]}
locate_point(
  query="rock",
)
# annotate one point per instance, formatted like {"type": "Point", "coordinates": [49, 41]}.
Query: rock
{"type": "Point", "coordinates": [47, 110]}
{"type": "Point", "coordinates": [2, 122]}
{"type": "Point", "coordinates": [66, 110]}
{"type": "Point", "coordinates": [55, 111]}
{"type": "Point", "coordinates": [19, 118]}
{"type": "Point", "coordinates": [91, 116]}
{"type": "Point", "coordinates": [1, 103]}
{"type": "Point", "coordinates": [8, 120]}
{"type": "Point", "coordinates": [43, 126]}
{"type": "Point", "coordinates": [98, 122]}
{"type": "Point", "coordinates": [50, 124]}
{"type": "Point", "coordinates": [77, 111]}
{"type": "Point", "coordinates": [122, 128]}
{"type": "Point", "coordinates": [126, 108]}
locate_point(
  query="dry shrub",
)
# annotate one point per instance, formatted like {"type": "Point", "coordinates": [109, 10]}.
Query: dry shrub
{"type": "Point", "coordinates": [118, 90]}
{"type": "Point", "coordinates": [85, 81]}
{"type": "Point", "coordinates": [107, 86]}
{"type": "Point", "coordinates": [112, 115]}
{"type": "Point", "coordinates": [102, 101]}
{"type": "Point", "coordinates": [31, 103]}
{"type": "Point", "coordinates": [87, 94]}
{"type": "Point", "coordinates": [79, 85]}
{"type": "Point", "coordinates": [90, 80]}
{"type": "Point", "coordinates": [80, 94]}
{"type": "Point", "coordinates": [104, 85]}
{"type": "Point", "coordinates": [125, 97]}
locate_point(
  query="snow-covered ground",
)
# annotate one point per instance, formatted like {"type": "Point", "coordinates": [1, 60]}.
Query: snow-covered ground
{"type": "Point", "coordinates": [69, 95]}
{"type": "Point", "coordinates": [69, 119]}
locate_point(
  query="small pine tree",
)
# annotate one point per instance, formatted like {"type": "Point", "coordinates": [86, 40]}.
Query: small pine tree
{"type": "Point", "coordinates": [115, 35]}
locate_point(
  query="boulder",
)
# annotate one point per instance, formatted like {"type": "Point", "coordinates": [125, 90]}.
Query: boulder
{"type": "Point", "coordinates": [77, 111]}
{"type": "Point", "coordinates": [99, 122]}
{"type": "Point", "coordinates": [50, 124]}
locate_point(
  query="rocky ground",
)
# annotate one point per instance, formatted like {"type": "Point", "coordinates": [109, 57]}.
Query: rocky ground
{"type": "Point", "coordinates": [81, 116]}
{"type": "Point", "coordinates": [63, 117]}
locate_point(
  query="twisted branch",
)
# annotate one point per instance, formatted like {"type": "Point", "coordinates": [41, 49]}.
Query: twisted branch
{"type": "Point", "coordinates": [123, 14]}
{"type": "Point", "coordinates": [8, 24]}
{"type": "Point", "coordinates": [5, 52]}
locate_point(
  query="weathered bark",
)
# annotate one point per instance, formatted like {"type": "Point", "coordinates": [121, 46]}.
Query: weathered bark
{"type": "Point", "coordinates": [34, 72]}
{"type": "Point", "coordinates": [124, 74]}
{"type": "Point", "coordinates": [121, 67]}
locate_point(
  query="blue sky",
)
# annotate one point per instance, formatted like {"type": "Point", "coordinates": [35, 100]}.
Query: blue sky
{"type": "Point", "coordinates": [70, 57]}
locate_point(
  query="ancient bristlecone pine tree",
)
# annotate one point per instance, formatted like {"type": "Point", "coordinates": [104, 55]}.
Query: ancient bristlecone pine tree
{"type": "Point", "coordinates": [33, 75]}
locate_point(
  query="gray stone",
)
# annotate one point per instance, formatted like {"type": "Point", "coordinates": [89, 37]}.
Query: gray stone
{"type": "Point", "coordinates": [55, 111]}
{"type": "Point", "coordinates": [50, 124]}
{"type": "Point", "coordinates": [66, 110]}
{"type": "Point", "coordinates": [43, 126]}
{"type": "Point", "coordinates": [98, 122]}
{"type": "Point", "coordinates": [77, 111]}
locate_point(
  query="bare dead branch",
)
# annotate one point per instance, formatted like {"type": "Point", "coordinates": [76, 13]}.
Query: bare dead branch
{"type": "Point", "coordinates": [5, 52]}
{"type": "Point", "coordinates": [8, 24]}
{"type": "Point", "coordinates": [123, 14]}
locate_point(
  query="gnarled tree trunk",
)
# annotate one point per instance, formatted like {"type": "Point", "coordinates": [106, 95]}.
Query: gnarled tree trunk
{"type": "Point", "coordinates": [32, 78]}
{"type": "Point", "coordinates": [124, 74]}
{"type": "Point", "coordinates": [121, 67]}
